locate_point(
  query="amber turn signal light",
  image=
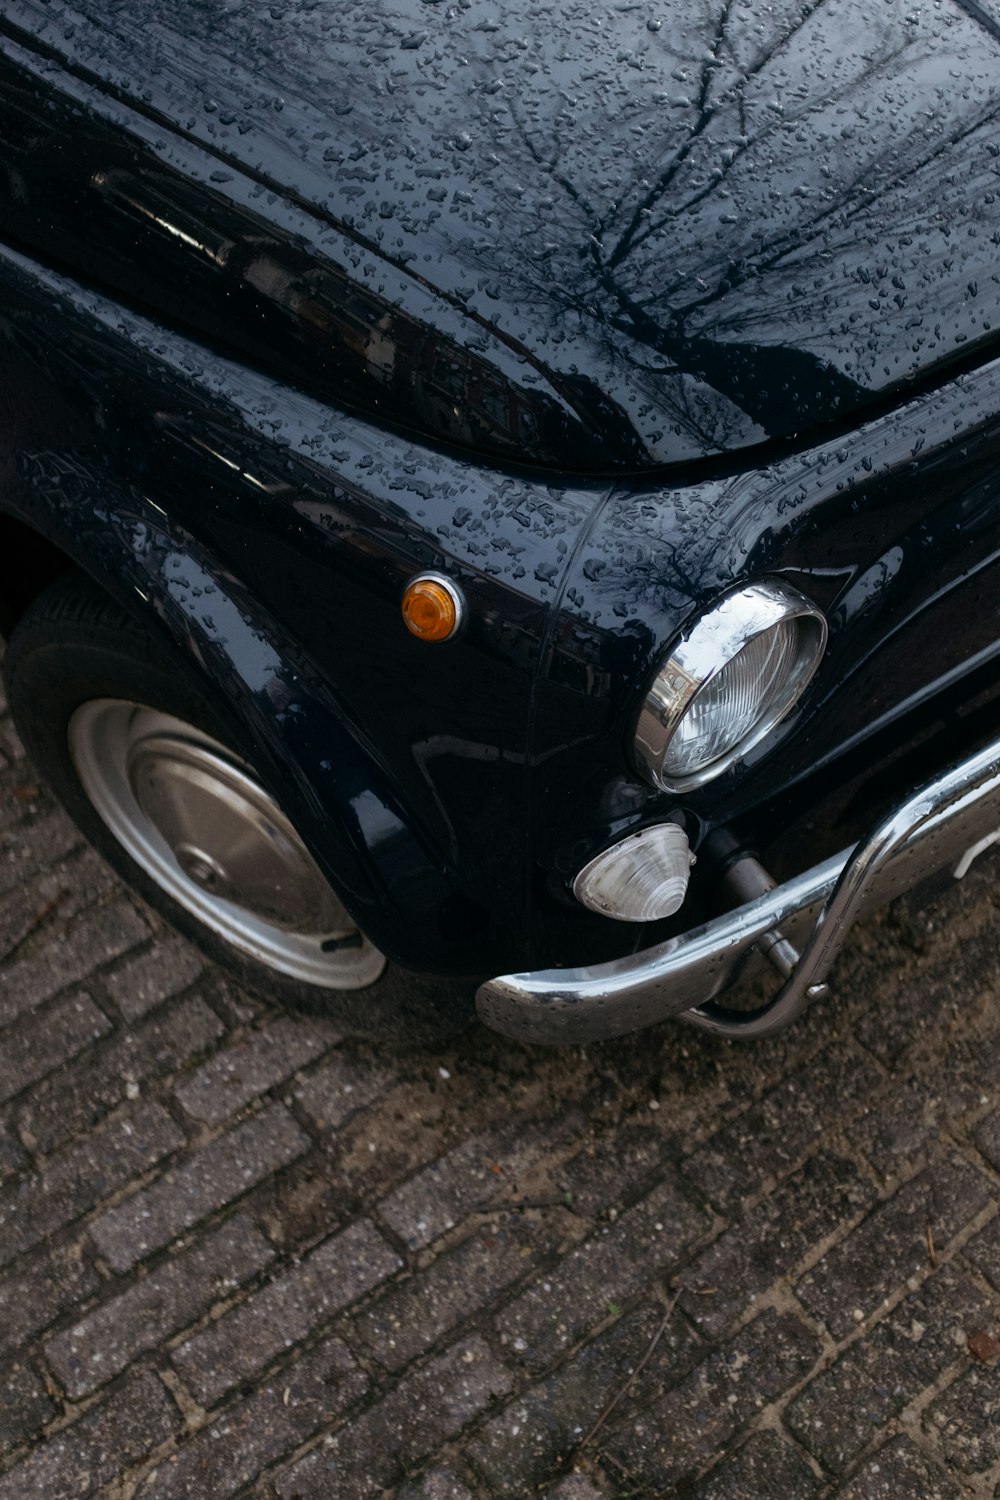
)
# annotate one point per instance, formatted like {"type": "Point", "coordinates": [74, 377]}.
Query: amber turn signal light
{"type": "Point", "coordinates": [432, 607]}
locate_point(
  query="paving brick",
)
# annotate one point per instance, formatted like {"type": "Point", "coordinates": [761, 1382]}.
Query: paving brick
{"type": "Point", "coordinates": [343, 1085]}
{"type": "Point", "coordinates": [50, 898]}
{"type": "Point", "coordinates": [575, 1487]}
{"type": "Point", "coordinates": [608, 1172]}
{"type": "Point", "coordinates": [902, 1129]}
{"type": "Point", "coordinates": [768, 1138]}
{"type": "Point", "coordinates": [764, 1466]}
{"type": "Point", "coordinates": [477, 1173]}
{"type": "Point", "coordinates": [77, 1097]}
{"type": "Point", "coordinates": [108, 1338]}
{"type": "Point", "coordinates": [24, 1406]}
{"type": "Point", "coordinates": [142, 982]}
{"type": "Point", "coordinates": [45, 1040]}
{"type": "Point", "coordinates": [983, 1252]}
{"type": "Point", "coordinates": [426, 1410]}
{"type": "Point", "coordinates": [94, 939]}
{"type": "Point", "coordinates": [212, 1177]}
{"type": "Point", "coordinates": [538, 1433]}
{"type": "Point", "coordinates": [674, 1437]}
{"type": "Point", "coordinates": [839, 1412]}
{"type": "Point", "coordinates": [988, 1139]}
{"type": "Point", "coordinates": [13, 1158]}
{"type": "Point", "coordinates": [286, 1310]}
{"type": "Point", "coordinates": [765, 1245]}
{"type": "Point", "coordinates": [898, 1471]}
{"type": "Point", "coordinates": [436, 1484]}
{"type": "Point", "coordinates": [22, 797]}
{"type": "Point", "coordinates": [76, 1182]}
{"type": "Point", "coordinates": [964, 1421]}
{"type": "Point", "coordinates": [233, 1077]}
{"type": "Point", "coordinates": [891, 1245]}
{"type": "Point", "coordinates": [646, 1242]}
{"type": "Point", "coordinates": [10, 741]}
{"type": "Point", "coordinates": [934, 1005]}
{"type": "Point", "coordinates": [410, 1317]}
{"type": "Point", "coordinates": [92, 1452]}
{"type": "Point", "coordinates": [25, 850]}
{"type": "Point", "coordinates": [230, 1453]}
{"type": "Point", "coordinates": [32, 1300]}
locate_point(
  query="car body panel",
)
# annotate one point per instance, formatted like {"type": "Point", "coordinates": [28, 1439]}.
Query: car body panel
{"type": "Point", "coordinates": [188, 419]}
{"type": "Point", "coordinates": [667, 237]}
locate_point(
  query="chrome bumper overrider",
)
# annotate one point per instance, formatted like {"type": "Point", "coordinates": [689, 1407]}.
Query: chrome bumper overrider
{"type": "Point", "coordinates": [943, 825]}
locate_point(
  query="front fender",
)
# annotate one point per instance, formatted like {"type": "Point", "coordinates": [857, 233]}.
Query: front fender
{"type": "Point", "coordinates": [281, 716]}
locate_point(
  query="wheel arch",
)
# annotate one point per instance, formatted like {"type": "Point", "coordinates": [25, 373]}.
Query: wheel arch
{"type": "Point", "coordinates": [283, 714]}
{"type": "Point", "coordinates": [29, 562]}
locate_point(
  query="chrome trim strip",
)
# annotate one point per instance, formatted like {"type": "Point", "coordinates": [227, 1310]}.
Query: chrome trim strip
{"type": "Point", "coordinates": [929, 832]}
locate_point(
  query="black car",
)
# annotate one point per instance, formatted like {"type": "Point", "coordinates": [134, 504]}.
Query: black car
{"type": "Point", "coordinates": [505, 495]}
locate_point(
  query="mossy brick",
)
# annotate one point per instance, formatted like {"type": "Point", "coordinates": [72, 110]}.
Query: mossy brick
{"type": "Point", "coordinates": [211, 1177]}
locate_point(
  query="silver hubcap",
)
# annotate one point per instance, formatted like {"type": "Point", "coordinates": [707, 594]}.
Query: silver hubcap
{"type": "Point", "coordinates": [193, 816]}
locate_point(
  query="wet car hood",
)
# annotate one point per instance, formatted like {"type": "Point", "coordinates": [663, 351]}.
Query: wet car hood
{"type": "Point", "coordinates": [682, 235]}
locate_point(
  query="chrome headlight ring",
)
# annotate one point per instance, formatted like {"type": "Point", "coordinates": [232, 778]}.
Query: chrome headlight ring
{"type": "Point", "coordinates": [730, 678]}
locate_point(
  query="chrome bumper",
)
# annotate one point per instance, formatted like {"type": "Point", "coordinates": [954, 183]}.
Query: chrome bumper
{"type": "Point", "coordinates": [943, 825]}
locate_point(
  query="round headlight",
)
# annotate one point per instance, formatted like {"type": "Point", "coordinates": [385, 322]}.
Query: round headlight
{"type": "Point", "coordinates": [733, 675]}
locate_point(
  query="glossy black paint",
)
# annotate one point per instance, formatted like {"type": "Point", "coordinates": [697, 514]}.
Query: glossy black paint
{"type": "Point", "coordinates": [590, 237]}
{"type": "Point", "coordinates": [175, 418]}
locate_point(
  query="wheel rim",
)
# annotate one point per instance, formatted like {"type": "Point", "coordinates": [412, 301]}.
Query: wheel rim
{"type": "Point", "coordinates": [193, 816]}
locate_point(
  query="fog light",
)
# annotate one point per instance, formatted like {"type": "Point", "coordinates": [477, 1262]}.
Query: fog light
{"type": "Point", "coordinates": [643, 878]}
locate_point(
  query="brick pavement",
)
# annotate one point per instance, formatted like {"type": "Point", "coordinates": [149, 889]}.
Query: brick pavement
{"type": "Point", "coordinates": [243, 1256]}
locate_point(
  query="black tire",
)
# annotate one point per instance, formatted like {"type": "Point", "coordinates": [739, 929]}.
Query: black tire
{"type": "Point", "coordinates": [75, 647]}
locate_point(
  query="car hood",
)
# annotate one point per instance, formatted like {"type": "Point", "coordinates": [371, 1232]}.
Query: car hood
{"type": "Point", "coordinates": [663, 234]}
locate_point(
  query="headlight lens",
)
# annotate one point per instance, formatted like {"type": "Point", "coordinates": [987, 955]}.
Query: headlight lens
{"type": "Point", "coordinates": [727, 682]}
